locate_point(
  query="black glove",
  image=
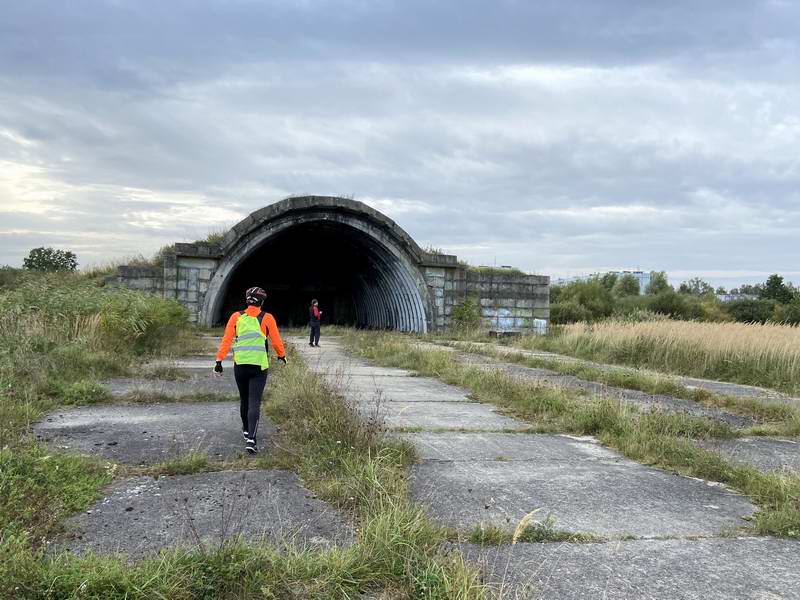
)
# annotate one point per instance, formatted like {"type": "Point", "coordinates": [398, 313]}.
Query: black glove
{"type": "Point", "coordinates": [218, 367]}
{"type": "Point", "coordinates": [282, 359]}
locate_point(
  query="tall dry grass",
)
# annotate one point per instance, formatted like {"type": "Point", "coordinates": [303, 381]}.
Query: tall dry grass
{"type": "Point", "coordinates": [762, 355]}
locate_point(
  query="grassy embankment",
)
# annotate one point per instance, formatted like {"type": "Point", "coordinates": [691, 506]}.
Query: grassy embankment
{"type": "Point", "coordinates": [751, 354]}
{"type": "Point", "coordinates": [60, 336]}
{"type": "Point", "coordinates": [655, 438]}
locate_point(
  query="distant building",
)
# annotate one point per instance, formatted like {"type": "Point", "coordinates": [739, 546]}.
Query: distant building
{"type": "Point", "coordinates": [734, 297]}
{"type": "Point", "coordinates": [643, 277]}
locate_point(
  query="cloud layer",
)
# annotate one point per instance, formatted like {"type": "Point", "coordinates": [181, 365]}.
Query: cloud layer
{"type": "Point", "coordinates": [562, 137]}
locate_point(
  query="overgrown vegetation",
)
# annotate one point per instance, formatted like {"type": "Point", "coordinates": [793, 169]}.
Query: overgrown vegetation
{"type": "Point", "coordinates": [73, 333]}
{"type": "Point", "coordinates": [752, 354]}
{"type": "Point", "coordinates": [656, 438]}
{"type": "Point", "coordinates": [60, 334]}
{"type": "Point", "coordinates": [608, 296]}
{"type": "Point", "coordinates": [466, 315]}
{"type": "Point", "coordinates": [528, 530]}
{"type": "Point", "coordinates": [776, 417]}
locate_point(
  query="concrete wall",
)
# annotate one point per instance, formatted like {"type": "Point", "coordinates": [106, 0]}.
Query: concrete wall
{"type": "Point", "coordinates": [508, 301]}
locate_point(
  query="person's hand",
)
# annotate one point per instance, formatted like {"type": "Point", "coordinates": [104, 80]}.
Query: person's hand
{"type": "Point", "coordinates": [282, 359]}
{"type": "Point", "coordinates": [218, 368]}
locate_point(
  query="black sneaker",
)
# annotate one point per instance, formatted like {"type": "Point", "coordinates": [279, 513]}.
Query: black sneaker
{"type": "Point", "coordinates": [244, 435]}
{"type": "Point", "coordinates": [250, 446]}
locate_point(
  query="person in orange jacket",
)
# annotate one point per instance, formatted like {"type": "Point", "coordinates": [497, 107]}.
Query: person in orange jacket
{"type": "Point", "coordinates": [246, 333]}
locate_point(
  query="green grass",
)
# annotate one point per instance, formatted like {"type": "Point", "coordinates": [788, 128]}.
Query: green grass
{"type": "Point", "coordinates": [38, 488]}
{"type": "Point", "coordinates": [654, 438]}
{"type": "Point", "coordinates": [775, 417]}
{"type": "Point", "coordinates": [534, 532]}
{"type": "Point", "coordinates": [344, 461]}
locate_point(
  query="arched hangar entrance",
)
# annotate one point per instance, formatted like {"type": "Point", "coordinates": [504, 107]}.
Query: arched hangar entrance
{"type": "Point", "coordinates": [363, 268]}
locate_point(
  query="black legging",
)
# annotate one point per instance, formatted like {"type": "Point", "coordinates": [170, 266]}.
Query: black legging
{"type": "Point", "coordinates": [313, 337]}
{"type": "Point", "coordinates": [250, 380]}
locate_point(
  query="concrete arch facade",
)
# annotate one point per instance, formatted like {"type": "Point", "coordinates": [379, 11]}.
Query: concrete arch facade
{"type": "Point", "coordinates": [366, 269]}
{"type": "Point", "coordinates": [397, 298]}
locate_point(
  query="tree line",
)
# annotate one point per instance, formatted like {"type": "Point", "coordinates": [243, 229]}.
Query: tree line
{"type": "Point", "coordinates": [612, 296]}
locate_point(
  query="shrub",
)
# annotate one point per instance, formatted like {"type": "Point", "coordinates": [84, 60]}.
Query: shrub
{"type": "Point", "coordinates": [670, 303]}
{"type": "Point", "coordinates": [50, 260]}
{"type": "Point", "coordinates": [789, 314]}
{"type": "Point", "coordinates": [569, 312]}
{"type": "Point", "coordinates": [751, 311]}
{"type": "Point", "coordinates": [467, 314]}
{"type": "Point", "coordinates": [592, 295]}
{"type": "Point", "coordinates": [713, 311]}
{"type": "Point", "coordinates": [630, 304]}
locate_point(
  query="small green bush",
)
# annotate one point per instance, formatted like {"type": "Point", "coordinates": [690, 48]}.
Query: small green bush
{"type": "Point", "coordinates": [562, 313]}
{"type": "Point", "coordinates": [467, 314]}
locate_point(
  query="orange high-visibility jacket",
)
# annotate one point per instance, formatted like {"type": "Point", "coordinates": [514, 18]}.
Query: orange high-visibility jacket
{"type": "Point", "coordinates": [268, 326]}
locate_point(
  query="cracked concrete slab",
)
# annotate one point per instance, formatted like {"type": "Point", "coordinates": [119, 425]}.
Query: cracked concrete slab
{"type": "Point", "coordinates": [403, 389]}
{"type": "Point", "coordinates": [765, 454]}
{"type": "Point", "coordinates": [583, 486]}
{"type": "Point", "coordinates": [194, 386]}
{"type": "Point", "coordinates": [152, 433]}
{"type": "Point", "coordinates": [403, 401]}
{"type": "Point", "coordinates": [453, 446]}
{"type": "Point", "coordinates": [440, 415]}
{"type": "Point", "coordinates": [722, 569]}
{"type": "Point", "coordinates": [141, 515]}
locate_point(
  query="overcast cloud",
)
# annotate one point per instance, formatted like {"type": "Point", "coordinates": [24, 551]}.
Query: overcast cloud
{"type": "Point", "coordinates": [563, 136]}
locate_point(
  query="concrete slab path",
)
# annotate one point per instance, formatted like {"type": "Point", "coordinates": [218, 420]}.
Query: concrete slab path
{"type": "Point", "coordinates": [584, 486]}
{"type": "Point", "coordinates": [641, 399]}
{"type": "Point", "coordinates": [468, 478]}
{"type": "Point", "coordinates": [403, 401]}
{"type": "Point", "coordinates": [141, 515]}
{"type": "Point", "coordinates": [766, 454]}
{"type": "Point", "coordinates": [705, 569]}
{"type": "Point", "coordinates": [147, 434]}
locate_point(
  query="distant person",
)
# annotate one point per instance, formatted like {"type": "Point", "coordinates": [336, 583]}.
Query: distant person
{"type": "Point", "coordinates": [247, 331]}
{"type": "Point", "coordinates": [314, 316]}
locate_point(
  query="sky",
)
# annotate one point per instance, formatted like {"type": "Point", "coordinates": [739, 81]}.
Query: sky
{"type": "Point", "coordinates": [563, 137]}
